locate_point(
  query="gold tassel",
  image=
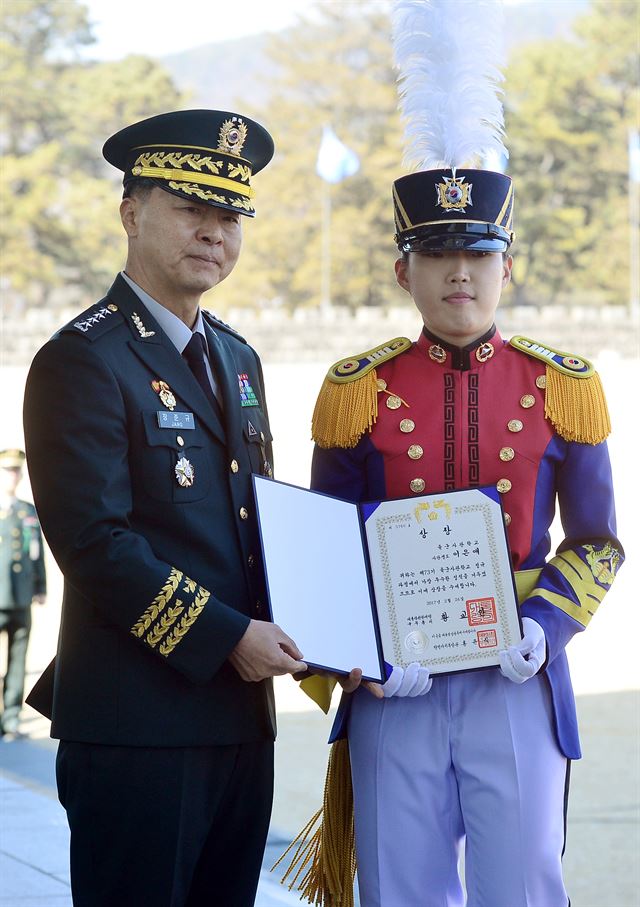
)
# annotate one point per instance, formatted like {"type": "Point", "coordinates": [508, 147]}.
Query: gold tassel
{"type": "Point", "coordinates": [344, 411]}
{"type": "Point", "coordinates": [576, 407]}
{"type": "Point", "coordinates": [328, 854]}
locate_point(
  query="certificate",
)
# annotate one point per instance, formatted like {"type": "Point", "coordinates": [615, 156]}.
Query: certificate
{"type": "Point", "coordinates": [425, 579]}
{"type": "Point", "coordinates": [443, 580]}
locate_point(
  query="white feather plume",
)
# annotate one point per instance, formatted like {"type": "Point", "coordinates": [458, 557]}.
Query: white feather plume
{"type": "Point", "coordinates": [449, 54]}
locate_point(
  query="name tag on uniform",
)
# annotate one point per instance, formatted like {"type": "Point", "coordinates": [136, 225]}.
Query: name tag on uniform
{"type": "Point", "coordinates": [176, 420]}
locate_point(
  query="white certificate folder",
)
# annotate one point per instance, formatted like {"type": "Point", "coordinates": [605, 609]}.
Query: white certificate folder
{"type": "Point", "coordinates": [426, 578]}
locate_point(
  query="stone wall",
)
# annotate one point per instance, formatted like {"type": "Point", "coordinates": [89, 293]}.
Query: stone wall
{"type": "Point", "coordinates": [315, 336]}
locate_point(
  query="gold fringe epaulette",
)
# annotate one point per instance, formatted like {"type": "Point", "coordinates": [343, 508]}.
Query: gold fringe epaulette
{"type": "Point", "coordinates": [575, 403]}
{"type": "Point", "coordinates": [326, 857]}
{"type": "Point", "coordinates": [347, 404]}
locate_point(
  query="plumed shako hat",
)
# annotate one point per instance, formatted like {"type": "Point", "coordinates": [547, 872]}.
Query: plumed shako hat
{"type": "Point", "coordinates": [448, 59]}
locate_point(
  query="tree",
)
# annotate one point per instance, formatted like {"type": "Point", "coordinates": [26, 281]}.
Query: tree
{"type": "Point", "coordinates": [60, 225]}
{"type": "Point", "coordinates": [569, 106]}
{"type": "Point", "coordinates": [334, 69]}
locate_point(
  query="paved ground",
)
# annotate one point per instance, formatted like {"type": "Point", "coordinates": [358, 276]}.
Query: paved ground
{"type": "Point", "coordinates": [601, 863]}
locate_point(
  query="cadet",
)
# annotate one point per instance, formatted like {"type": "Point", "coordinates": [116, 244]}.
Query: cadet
{"type": "Point", "coordinates": [22, 581]}
{"type": "Point", "coordinates": [144, 419]}
{"type": "Point", "coordinates": [484, 756]}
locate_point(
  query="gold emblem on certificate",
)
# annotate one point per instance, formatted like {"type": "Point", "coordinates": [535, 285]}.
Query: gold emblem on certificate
{"type": "Point", "coordinates": [165, 393]}
{"type": "Point", "coordinates": [416, 642]}
{"type": "Point", "coordinates": [185, 473]}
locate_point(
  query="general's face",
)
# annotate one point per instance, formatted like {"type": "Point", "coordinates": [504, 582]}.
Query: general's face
{"type": "Point", "coordinates": [457, 293]}
{"type": "Point", "coordinates": [180, 247]}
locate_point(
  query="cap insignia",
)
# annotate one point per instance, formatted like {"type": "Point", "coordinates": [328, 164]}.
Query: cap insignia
{"type": "Point", "coordinates": [233, 134]}
{"type": "Point", "coordinates": [454, 194]}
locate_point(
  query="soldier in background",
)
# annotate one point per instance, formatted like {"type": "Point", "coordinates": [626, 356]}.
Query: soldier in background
{"type": "Point", "coordinates": [22, 581]}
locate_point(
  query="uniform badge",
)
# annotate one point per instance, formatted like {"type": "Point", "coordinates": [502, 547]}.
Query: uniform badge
{"type": "Point", "coordinates": [437, 354]}
{"type": "Point", "coordinates": [140, 326]}
{"type": "Point", "coordinates": [185, 473]}
{"type": "Point", "coordinates": [251, 430]}
{"type": "Point", "coordinates": [165, 393]}
{"type": "Point", "coordinates": [454, 194]}
{"type": "Point", "coordinates": [247, 393]}
{"type": "Point", "coordinates": [484, 352]}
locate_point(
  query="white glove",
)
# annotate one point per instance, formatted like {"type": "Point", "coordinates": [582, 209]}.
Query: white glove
{"type": "Point", "coordinates": [412, 681]}
{"type": "Point", "coordinates": [519, 663]}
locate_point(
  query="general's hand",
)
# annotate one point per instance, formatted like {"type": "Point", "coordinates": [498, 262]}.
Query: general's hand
{"type": "Point", "coordinates": [266, 651]}
{"type": "Point", "coordinates": [519, 663]}
{"type": "Point", "coordinates": [414, 680]}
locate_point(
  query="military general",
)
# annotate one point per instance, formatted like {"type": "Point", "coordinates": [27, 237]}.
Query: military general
{"type": "Point", "coordinates": [145, 417]}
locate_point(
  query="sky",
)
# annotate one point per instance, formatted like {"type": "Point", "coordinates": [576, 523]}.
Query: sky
{"type": "Point", "coordinates": [154, 30]}
{"type": "Point", "coordinates": [149, 30]}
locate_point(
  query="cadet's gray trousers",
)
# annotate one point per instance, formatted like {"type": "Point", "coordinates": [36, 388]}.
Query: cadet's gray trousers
{"type": "Point", "coordinates": [474, 759]}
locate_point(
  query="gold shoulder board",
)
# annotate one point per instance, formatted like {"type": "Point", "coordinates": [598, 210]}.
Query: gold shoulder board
{"type": "Point", "coordinates": [565, 363]}
{"type": "Point", "coordinates": [576, 409]}
{"type": "Point", "coordinates": [347, 404]}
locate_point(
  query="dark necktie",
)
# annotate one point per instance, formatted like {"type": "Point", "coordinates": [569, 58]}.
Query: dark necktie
{"type": "Point", "coordinates": [194, 354]}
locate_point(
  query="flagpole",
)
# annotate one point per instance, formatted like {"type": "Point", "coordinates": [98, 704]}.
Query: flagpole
{"type": "Point", "coordinates": [325, 293]}
{"type": "Point", "coordinates": [634, 222]}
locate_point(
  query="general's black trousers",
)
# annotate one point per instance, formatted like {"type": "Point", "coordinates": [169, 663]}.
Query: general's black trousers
{"type": "Point", "coordinates": [166, 827]}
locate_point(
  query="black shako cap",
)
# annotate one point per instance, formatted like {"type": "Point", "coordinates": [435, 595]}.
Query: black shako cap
{"type": "Point", "coordinates": [440, 210]}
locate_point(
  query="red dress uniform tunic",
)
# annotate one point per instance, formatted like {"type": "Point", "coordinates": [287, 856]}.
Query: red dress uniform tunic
{"type": "Point", "coordinates": [450, 418]}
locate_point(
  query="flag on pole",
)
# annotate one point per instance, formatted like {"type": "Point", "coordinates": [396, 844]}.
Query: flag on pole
{"type": "Point", "coordinates": [335, 161]}
{"type": "Point", "coordinates": [634, 156]}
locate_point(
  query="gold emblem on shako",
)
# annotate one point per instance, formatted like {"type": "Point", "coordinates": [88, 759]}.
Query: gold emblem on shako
{"type": "Point", "coordinates": [165, 393]}
{"type": "Point", "coordinates": [185, 473]}
{"type": "Point", "coordinates": [454, 194]}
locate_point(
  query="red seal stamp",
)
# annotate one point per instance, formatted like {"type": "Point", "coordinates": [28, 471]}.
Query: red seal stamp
{"type": "Point", "coordinates": [481, 611]}
{"type": "Point", "coordinates": [487, 639]}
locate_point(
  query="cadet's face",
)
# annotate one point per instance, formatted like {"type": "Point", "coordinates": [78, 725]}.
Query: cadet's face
{"type": "Point", "coordinates": [179, 248]}
{"type": "Point", "coordinates": [457, 293]}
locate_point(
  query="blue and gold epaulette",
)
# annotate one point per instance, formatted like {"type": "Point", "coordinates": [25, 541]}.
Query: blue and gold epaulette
{"type": "Point", "coordinates": [577, 409]}
{"type": "Point", "coordinates": [347, 404]}
{"type": "Point", "coordinates": [216, 322]}
{"type": "Point", "coordinates": [95, 321]}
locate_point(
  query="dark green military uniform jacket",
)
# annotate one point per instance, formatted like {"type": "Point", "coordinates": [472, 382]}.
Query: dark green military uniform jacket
{"type": "Point", "coordinates": [22, 571]}
{"type": "Point", "coordinates": [161, 578]}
